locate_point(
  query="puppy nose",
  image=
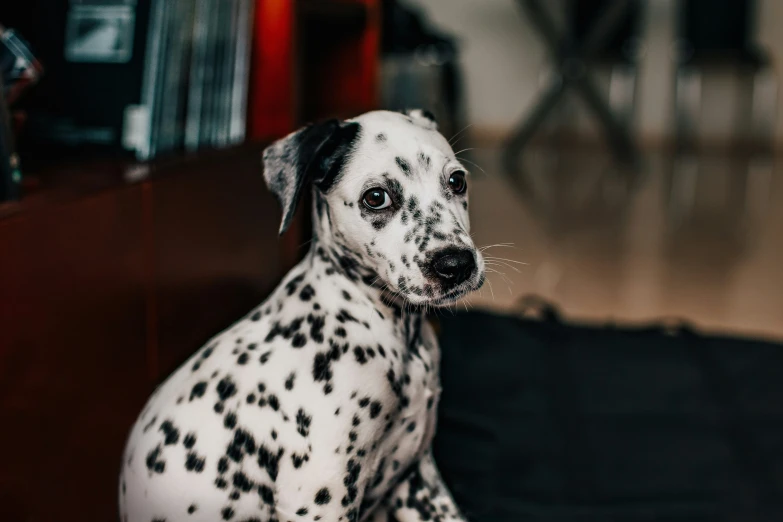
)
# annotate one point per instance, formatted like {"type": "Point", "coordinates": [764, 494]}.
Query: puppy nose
{"type": "Point", "coordinates": [454, 266]}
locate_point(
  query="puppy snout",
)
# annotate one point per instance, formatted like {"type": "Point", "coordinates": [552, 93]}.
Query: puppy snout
{"type": "Point", "coordinates": [453, 265]}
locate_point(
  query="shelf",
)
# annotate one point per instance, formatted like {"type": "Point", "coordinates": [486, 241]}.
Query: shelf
{"type": "Point", "coordinates": [75, 180]}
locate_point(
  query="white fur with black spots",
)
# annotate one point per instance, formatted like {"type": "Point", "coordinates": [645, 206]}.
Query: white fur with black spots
{"type": "Point", "coordinates": [320, 404]}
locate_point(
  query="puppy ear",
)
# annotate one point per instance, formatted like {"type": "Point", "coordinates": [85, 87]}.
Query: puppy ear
{"type": "Point", "coordinates": [315, 153]}
{"type": "Point", "coordinates": [422, 118]}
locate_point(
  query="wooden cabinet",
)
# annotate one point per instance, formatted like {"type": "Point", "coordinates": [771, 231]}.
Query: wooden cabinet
{"type": "Point", "coordinates": [72, 367]}
{"type": "Point", "coordinates": [104, 293]}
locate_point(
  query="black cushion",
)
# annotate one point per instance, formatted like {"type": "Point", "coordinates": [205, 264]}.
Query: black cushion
{"type": "Point", "coordinates": [542, 420]}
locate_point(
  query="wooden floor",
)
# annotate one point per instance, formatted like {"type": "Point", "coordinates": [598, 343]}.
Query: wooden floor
{"type": "Point", "coordinates": [699, 239]}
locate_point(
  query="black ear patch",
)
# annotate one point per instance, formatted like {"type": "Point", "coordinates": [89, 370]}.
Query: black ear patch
{"type": "Point", "coordinates": [316, 153]}
{"type": "Point", "coordinates": [422, 118]}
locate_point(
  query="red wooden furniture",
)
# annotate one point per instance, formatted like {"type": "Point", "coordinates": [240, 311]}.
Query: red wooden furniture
{"type": "Point", "coordinates": [112, 273]}
{"type": "Point", "coordinates": [312, 59]}
{"type": "Point", "coordinates": [103, 294]}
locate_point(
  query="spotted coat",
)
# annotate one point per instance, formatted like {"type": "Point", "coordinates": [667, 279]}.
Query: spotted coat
{"type": "Point", "coordinates": [320, 404]}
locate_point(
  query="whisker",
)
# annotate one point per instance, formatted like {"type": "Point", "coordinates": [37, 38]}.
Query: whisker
{"type": "Point", "coordinates": [465, 150]}
{"type": "Point", "coordinates": [507, 281]}
{"type": "Point", "coordinates": [509, 245]}
{"type": "Point", "coordinates": [495, 258]}
{"type": "Point", "coordinates": [501, 274]}
{"type": "Point", "coordinates": [460, 132]}
{"type": "Point", "coordinates": [474, 164]}
{"type": "Point", "coordinates": [499, 263]}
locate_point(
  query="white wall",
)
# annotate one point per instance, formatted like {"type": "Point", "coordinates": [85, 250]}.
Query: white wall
{"type": "Point", "coordinates": [503, 61]}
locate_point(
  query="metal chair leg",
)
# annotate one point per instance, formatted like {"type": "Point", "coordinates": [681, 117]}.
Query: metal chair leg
{"type": "Point", "coordinates": [526, 131]}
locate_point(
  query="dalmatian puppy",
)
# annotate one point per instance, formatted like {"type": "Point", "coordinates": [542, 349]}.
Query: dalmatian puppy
{"type": "Point", "coordinates": [320, 404]}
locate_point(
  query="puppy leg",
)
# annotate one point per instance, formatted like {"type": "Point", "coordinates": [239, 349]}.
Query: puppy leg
{"type": "Point", "coordinates": [422, 495]}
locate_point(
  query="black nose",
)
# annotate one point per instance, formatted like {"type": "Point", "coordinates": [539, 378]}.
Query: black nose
{"type": "Point", "coordinates": [453, 265]}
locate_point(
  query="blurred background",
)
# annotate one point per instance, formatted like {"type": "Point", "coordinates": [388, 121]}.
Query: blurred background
{"type": "Point", "coordinates": [622, 152]}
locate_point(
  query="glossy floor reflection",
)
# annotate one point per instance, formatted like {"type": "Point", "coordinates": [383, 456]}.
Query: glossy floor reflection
{"type": "Point", "coordinates": [693, 239]}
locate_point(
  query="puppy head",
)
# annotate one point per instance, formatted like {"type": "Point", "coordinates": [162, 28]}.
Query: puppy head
{"type": "Point", "coordinates": [390, 202]}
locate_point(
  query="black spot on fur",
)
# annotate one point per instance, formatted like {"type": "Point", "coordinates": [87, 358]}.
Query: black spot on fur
{"type": "Point", "coordinates": [297, 460]}
{"type": "Point", "coordinates": [194, 463]}
{"type": "Point", "coordinates": [322, 367]}
{"type": "Point", "coordinates": [171, 433]}
{"type": "Point", "coordinates": [153, 462]}
{"type": "Point", "coordinates": [222, 465]}
{"type": "Point", "coordinates": [226, 388]}
{"type": "Point", "coordinates": [307, 293]}
{"type": "Point", "coordinates": [293, 284]}
{"type": "Point", "coordinates": [286, 331]}
{"type": "Point", "coordinates": [352, 476]}
{"type": "Point", "coordinates": [299, 340]}
{"type": "Point", "coordinates": [289, 382]}
{"type": "Point", "coordinates": [241, 482]}
{"type": "Point", "coordinates": [323, 497]}
{"type": "Point", "coordinates": [381, 137]}
{"type": "Point", "coordinates": [360, 355]}
{"type": "Point", "coordinates": [269, 461]}
{"type": "Point", "coordinates": [303, 423]}
{"type": "Point", "coordinates": [424, 160]}
{"type": "Point", "coordinates": [345, 316]}
{"type": "Point", "coordinates": [266, 494]}
{"type": "Point", "coordinates": [189, 441]}
{"type": "Point", "coordinates": [317, 329]}
{"type": "Point", "coordinates": [404, 166]}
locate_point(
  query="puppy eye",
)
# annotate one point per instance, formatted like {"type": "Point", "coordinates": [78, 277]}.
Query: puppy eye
{"type": "Point", "coordinates": [457, 182]}
{"type": "Point", "coordinates": [376, 199]}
